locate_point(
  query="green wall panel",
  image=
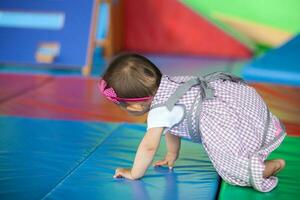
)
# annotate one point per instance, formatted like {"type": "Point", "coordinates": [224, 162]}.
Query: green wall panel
{"type": "Point", "coordinates": [284, 15]}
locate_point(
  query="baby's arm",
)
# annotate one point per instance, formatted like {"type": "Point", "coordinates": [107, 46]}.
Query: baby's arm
{"type": "Point", "coordinates": [144, 155]}
{"type": "Point", "coordinates": [173, 147]}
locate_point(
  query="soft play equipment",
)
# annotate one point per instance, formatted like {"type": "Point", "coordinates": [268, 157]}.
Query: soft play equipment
{"type": "Point", "coordinates": [10, 87]}
{"type": "Point", "coordinates": [21, 43]}
{"type": "Point", "coordinates": [51, 97]}
{"type": "Point", "coordinates": [288, 187]}
{"type": "Point", "coordinates": [56, 159]}
{"type": "Point", "coordinates": [171, 27]}
{"type": "Point", "coordinates": [280, 65]}
{"type": "Point", "coordinates": [76, 98]}
{"type": "Point", "coordinates": [51, 146]}
{"type": "Point", "coordinates": [269, 22]}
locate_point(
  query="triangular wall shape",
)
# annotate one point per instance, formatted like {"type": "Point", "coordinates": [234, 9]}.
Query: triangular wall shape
{"type": "Point", "coordinates": [170, 27]}
{"type": "Point", "coordinates": [270, 16]}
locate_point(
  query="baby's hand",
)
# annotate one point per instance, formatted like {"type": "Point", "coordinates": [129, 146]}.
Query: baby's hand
{"type": "Point", "coordinates": [169, 161]}
{"type": "Point", "coordinates": [123, 173]}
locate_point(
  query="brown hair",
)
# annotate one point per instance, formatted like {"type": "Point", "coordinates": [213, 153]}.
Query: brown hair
{"type": "Point", "coordinates": [132, 76]}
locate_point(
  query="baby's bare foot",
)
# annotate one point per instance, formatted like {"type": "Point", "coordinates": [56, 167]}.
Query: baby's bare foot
{"type": "Point", "coordinates": [273, 167]}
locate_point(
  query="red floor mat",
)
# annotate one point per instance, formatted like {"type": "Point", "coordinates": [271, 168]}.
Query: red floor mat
{"type": "Point", "coordinates": [73, 98]}
{"type": "Point", "coordinates": [13, 85]}
{"type": "Point", "coordinates": [77, 98]}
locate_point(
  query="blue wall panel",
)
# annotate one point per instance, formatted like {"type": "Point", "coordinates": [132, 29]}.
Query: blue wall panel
{"type": "Point", "coordinates": [18, 45]}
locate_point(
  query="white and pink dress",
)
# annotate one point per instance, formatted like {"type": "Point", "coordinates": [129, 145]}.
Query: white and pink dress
{"type": "Point", "coordinates": [228, 117]}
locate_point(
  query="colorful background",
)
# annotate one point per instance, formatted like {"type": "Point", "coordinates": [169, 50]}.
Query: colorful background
{"type": "Point", "coordinates": [60, 139]}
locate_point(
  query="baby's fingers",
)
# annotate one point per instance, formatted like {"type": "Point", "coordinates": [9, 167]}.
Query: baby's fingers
{"type": "Point", "coordinates": [118, 174]}
{"type": "Point", "coordinates": [171, 165]}
{"type": "Point", "coordinates": [160, 163]}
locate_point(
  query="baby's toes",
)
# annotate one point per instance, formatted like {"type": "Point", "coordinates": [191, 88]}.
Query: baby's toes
{"type": "Point", "coordinates": [281, 163]}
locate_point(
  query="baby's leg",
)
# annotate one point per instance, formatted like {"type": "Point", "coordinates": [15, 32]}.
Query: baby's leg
{"type": "Point", "coordinates": [273, 166]}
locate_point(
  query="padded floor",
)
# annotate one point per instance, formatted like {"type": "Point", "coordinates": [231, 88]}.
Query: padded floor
{"type": "Point", "coordinates": [62, 159]}
{"type": "Point", "coordinates": [35, 155]}
{"type": "Point", "coordinates": [77, 98]}
{"type": "Point", "coordinates": [57, 159]}
{"type": "Point", "coordinates": [72, 98]}
{"type": "Point", "coordinates": [13, 85]}
{"type": "Point", "coordinates": [289, 178]}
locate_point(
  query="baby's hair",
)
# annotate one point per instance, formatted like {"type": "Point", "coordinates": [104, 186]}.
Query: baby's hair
{"type": "Point", "coordinates": [132, 76]}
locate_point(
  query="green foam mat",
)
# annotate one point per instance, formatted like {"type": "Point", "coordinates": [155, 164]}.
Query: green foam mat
{"type": "Point", "coordinates": [288, 187]}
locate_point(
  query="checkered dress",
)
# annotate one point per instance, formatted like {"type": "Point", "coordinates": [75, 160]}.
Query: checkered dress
{"type": "Point", "coordinates": [234, 125]}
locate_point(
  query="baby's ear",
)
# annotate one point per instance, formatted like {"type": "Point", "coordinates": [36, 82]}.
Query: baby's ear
{"type": "Point", "coordinates": [134, 107]}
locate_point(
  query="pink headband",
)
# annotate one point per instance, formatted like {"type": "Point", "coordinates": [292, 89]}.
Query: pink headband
{"type": "Point", "coordinates": [111, 95]}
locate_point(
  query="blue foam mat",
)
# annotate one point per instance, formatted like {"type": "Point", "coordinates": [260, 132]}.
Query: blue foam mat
{"type": "Point", "coordinates": [76, 160]}
{"type": "Point", "coordinates": [193, 177]}
{"type": "Point", "coordinates": [35, 155]}
{"type": "Point", "coordinates": [281, 65]}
